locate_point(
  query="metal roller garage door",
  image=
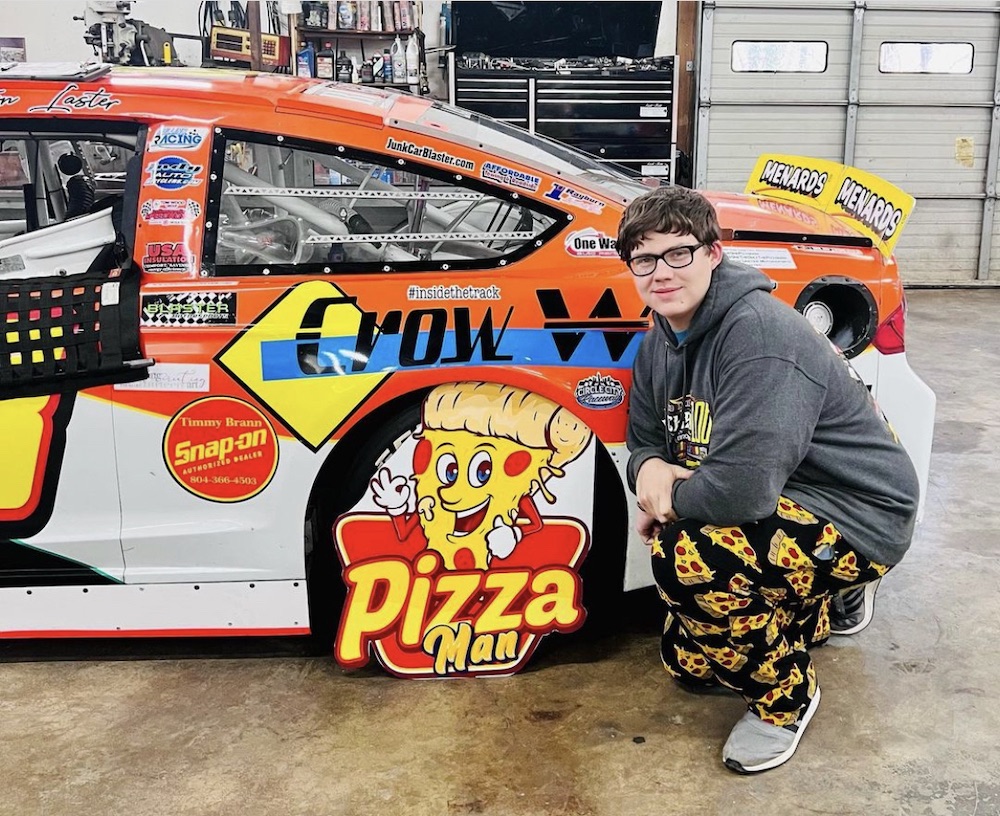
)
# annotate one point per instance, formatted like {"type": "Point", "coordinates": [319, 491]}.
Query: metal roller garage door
{"type": "Point", "coordinates": [905, 90]}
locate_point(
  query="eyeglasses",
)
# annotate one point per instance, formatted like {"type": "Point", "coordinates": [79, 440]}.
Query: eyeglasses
{"type": "Point", "coordinates": [676, 258]}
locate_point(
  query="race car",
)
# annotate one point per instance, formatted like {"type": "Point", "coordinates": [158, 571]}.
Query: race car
{"type": "Point", "coordinates": [287, 356]}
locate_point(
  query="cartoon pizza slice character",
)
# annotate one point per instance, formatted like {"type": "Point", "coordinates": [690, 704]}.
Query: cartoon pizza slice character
{"type": "Point", "coordinates": [483, 451]}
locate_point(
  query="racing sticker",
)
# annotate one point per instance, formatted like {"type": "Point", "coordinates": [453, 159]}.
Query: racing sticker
{"type": "Point", "coordinates": [177, 137]}
{"type": "Point", "coordinates": [451, 568]}
{"type": "Point", "coordinates": [170, 211]}
{"type": "Point", "coordinates": [567, 195]}
{"type": "Point", "coordinates": [425, 152]}
{"type": "Point", "coordinates": [173, 173]}
{"type": "Point", "coordinates": [221, 449]}
{"type": "Point", "coordinates": [165, 257]}
{"type": "Point", "coordinates": [189, 309]}
{"type": "Point", "coordinates": [599, 392]}
{"type": "Point", "coordinates": [591, 243]}
{"type": "Point", "coordinates": [510, 177]}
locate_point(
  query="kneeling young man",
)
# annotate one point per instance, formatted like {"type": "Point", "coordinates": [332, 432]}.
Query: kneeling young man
{"type": "Point", "coordinates": [768, 482]}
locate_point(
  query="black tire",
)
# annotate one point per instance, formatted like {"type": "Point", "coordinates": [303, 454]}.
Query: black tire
{"type": "Point", "coordinates": [341, 483]}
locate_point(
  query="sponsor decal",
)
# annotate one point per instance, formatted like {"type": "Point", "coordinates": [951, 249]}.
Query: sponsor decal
{"type": "Point", "coordinates": [193, 377]}
{"type": "Point", "coordinates": [172, 173]}
{"type": "Point", "coordinates": [315, 331]}
{"type": "Point", "coordinates": [857, 201]}
{"type": "Point", "coordinates": [762, 258]}
{"type": "Point", "coordinates": [170, 211]}
{"type": "Point", "coordinates": [8, 99]}
{"type": "Point", "coordinates": [801, 215]}
{"type": "Point", "coordinates": [875, 211]}
{"type": "Point", "coordinates": [833, 250]}
{"type": "Point", "coordinates": [600, 392]}
{"type": "Point", "coordinates": [189, 309]}
{"type": "Point", "coordinates": [173, 137]}
{"type": "Point", "coordinates": [164, 257]}
{"type": "Point", "coordinates": [452, 292]}
{"type": "Point", "coordinates": [451, 570]}
{"type": "Point", "coordinates": [591, 243]}
{"type": "Point", "coordinates": [510, 177]}
{"type": "Point", "coordinates": [423, 152]}
{"type": "Point", "coordinates": [794, 178]}
{"type": "Point", "coordinates": [11, 263]}
{"type": "Point", "coordinates": [567, 195]}
{"type": "Point", "coordinates": [68, 101]}
{"type": "Point", "coordinates": [221, 449]}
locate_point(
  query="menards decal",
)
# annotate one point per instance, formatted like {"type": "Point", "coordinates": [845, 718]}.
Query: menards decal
{"type": "Point", "coordinates": [451, 570]}
{"type": "Point", "coordinates": [871, 204]}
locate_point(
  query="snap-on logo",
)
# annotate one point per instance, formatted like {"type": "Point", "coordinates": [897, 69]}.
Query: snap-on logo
{"type": "Point", "coordinates": [877, 213]}
{"type": "Point", "coordinates": [802, 180]}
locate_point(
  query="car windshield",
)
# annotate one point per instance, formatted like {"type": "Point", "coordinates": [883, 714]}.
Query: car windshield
{"type": "Point", "coordinates": [514, 141]}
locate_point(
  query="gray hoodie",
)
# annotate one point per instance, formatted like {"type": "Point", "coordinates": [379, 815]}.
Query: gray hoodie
{"type": "Point", "coordinates": [760, 405]}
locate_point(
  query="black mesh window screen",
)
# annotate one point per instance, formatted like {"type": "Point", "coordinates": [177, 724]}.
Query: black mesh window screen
{"type": "Point", "coordinates": [62, 334]}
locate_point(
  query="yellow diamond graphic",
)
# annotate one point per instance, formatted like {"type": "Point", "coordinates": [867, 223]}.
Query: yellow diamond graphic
{"type": "Point", "coordinates": [310, 392]}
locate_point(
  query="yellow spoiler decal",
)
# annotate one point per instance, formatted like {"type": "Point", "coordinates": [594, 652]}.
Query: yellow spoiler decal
{"type": "Point", "coordinates": [873, 205]}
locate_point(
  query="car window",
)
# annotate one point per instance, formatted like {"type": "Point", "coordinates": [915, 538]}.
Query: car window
{"type": "Point", "coordinates": [47, 179]}
{"type": "Point", "coordinates": [286, 208]}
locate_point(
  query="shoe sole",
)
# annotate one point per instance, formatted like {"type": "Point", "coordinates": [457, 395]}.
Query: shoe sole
{"type": "Point", "coordinates": [870, 589]}
{"type": "Point", "coordinates": [782, 758]}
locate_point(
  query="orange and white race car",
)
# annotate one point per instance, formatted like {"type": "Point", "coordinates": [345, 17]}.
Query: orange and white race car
{"type": "Point", "coordinates": [279, 353]}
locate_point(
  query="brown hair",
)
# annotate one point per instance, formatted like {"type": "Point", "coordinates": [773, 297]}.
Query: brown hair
{"type": "Point", "coordinates": [667, 209]}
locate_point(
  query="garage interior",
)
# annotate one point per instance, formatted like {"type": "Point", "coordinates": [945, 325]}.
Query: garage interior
{"type": "Point", "coordinates": [594, 725]}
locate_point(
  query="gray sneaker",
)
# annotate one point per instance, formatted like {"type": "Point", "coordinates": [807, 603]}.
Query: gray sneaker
{"type": "Point", "coordinates": [754, 745]}
{"type": "Point", "coordinates": [852, 610]}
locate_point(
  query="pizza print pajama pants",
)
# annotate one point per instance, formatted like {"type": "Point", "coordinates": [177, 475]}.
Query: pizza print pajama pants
{"type": "Point", "coordinates": [745, 603]}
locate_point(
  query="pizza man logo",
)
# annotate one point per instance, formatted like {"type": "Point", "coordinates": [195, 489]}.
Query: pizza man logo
{"type": "Point", "coordinates": [802, 180]}
{"type": "Point", "coordinates": [880, 215]}
{"type": "Point", "coordinates": [167, 257]}
{"type": "Point", "coordinates": [462, 574]}
{"type": "Point", "coordinates": [173, 173]}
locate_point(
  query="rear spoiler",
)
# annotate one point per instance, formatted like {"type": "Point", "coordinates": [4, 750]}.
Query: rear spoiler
{"type": "Point", "coordinates": [871, 204]}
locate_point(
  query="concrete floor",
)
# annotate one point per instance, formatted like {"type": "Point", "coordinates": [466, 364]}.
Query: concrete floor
{"type": "Point", "coordinates": [909, 723]}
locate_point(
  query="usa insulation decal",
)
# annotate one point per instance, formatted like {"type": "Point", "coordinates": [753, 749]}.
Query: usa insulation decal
{"type": "Point", "coordinates": [452, 568]}
{"type": "Point", "coordinates": [221, 449]}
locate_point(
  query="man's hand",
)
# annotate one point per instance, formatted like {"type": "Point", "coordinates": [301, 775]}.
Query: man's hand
{"type": "Point", "coordinates": [654, 486]}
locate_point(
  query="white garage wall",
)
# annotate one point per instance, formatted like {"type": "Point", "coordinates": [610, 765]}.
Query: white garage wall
{"type": "Point", "coordinates": [937, 136]}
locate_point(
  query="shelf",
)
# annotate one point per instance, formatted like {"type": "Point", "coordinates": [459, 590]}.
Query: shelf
{"type": "Point", "coordinates": [349, 32]}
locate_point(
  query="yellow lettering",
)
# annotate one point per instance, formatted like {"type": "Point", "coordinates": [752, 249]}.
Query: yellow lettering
{"type": "Point", "coordinates": [448, 647]}
{"type": "Point", "coordinates": [506, 648]}
{"type": "Point", "coordinates": [363, 619]}
{"type": "Point", "coordinates": [509, 586]}
{"type": "Point", "coordinates": [555, 600]}
{"type": "Point", "coordinates": [416, 607]}
{"type": "Point", "coordinates": [482, 649]}
{"type": "Point", "coordinates": [181, 454]}
{"type": "Point", "coordinates": [461, 588]}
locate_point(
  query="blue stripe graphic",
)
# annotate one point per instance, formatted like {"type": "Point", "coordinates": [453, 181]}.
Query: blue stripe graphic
{"type": "Point", "coordinates": [525, 347]}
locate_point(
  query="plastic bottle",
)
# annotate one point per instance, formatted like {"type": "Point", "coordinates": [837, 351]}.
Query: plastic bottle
{"type": "Point", "coordinates": [367, 76]}
{"type": "Point", "coordinates": [325, 61]}
{"type": "Point", "coordinates": [305, 61]}
{"type": "Point", "coordinates": [386, 66]}
{"type": "Point", "coordinates": [378, 68]}
{"type": "Point", "coordinates": [347, 15]}
{"type": "Point", "coordinates": [412, 61]}
{"type": "Point", "coordinates": [398, 61]}
{"type": "Point", "coordinates": [343, 67]}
